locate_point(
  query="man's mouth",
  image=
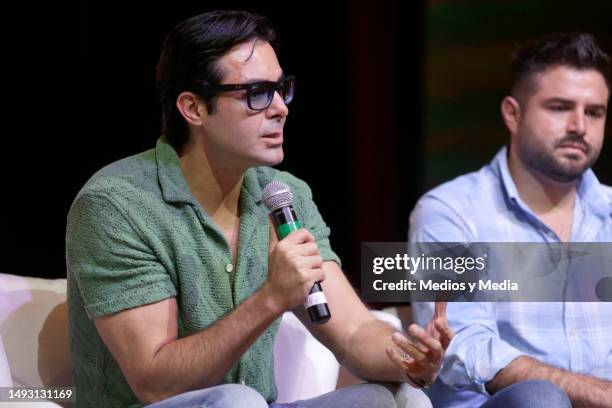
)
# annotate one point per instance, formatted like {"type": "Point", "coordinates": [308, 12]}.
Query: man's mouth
{"type": "Point", "coordinates": [274, 139]}
{"type": "Point", "coordinates": [573, 146]}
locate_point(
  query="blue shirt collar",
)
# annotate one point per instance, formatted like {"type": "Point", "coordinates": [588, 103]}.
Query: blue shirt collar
{"type": "Point", "coordinates": [589, 190]}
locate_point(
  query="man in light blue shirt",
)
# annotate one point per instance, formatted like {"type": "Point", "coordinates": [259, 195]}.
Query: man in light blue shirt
{"type": "Point", "coordinates": [538, 189]}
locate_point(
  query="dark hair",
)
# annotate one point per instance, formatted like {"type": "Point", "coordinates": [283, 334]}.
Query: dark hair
{"type": "Point", "coordinates": [189, 56]}
{"type": "Point", "coordinates": [576, 50]}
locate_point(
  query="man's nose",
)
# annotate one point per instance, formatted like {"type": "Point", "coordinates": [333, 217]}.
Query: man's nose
{"type": "Point", "coordinates": [277, 109]}
{"type": "Point", "coordinates": [577, 123]}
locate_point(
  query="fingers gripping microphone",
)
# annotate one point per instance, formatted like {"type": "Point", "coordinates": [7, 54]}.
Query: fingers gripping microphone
{"type": "Point", "coordinates": [278, 198]}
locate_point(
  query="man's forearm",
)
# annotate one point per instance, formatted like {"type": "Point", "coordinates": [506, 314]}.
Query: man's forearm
{"type": "Point", "coordinates": [202, 359]}
{"type": "Point", "coordinates": [583, 391]}
{"type": "Point", "coordinates": [368, 359]}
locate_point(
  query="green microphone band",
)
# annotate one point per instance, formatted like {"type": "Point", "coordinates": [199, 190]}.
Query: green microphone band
{"type": "Point", "coordinates": [285, 229]}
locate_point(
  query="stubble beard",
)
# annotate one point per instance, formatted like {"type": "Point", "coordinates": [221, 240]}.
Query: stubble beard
{"type": "Point", "coordinates": [541, 158]}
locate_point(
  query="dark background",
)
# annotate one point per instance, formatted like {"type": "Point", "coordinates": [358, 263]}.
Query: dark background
{"type": "Point", "coordinates": [392, 99]}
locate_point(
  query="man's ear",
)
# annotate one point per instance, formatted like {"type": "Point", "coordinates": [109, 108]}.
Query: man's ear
{"type": "Point", "coordinates": [511, 113]}
{"type": "Point", "coordinates": [192, 108]}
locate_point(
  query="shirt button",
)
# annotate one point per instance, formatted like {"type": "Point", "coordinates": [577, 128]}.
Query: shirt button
{"type": "Point", "coordinates": [229, 267]}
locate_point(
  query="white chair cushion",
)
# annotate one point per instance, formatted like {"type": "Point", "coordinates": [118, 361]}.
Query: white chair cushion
{"type": "Point", "coordinates": [5, 372]}
{"type": "Point", "coordinates": [303, 367]}
{"type": "Point", "coordinates": [33, 326]}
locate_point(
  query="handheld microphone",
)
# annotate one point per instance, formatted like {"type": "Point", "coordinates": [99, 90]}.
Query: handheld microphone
{"type": "Point", "coordinates": [279, 199]}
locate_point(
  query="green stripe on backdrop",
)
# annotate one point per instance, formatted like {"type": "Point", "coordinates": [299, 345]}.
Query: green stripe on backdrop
{"type": "Point", "coordinates": [458, 22]}
{"type": "Point", "coordinates": [469, 112]}
{"type": "Point", "coordinates": [444, 166]}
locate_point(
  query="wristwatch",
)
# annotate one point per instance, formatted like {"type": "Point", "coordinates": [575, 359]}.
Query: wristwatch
{"type": "Point", "coordinates": [419, 382]}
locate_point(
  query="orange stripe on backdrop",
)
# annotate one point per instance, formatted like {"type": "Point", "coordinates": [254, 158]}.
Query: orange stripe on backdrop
{"type": "Point", "coordinates": [437, 3]}
{"type": "Point", "coordinates": [456, 71]}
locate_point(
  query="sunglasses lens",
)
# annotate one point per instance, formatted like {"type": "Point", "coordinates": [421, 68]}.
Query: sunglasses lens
{"type": "Point", "coordinates": [287, 90]}
{"type": "Point", "coordinates": [261, 95]}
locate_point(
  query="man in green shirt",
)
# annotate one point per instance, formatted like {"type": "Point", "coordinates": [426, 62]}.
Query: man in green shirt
{"type": "Point", "coordinates": [177, 282]}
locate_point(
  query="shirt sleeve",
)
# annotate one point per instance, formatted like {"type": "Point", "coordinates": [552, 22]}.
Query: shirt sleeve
{"type": "Point", "coordinates": [476, 353]}
{"type": "Point", "coordinates": [109, 260]}
{"type": "Point", "coordinates": [311, 219]}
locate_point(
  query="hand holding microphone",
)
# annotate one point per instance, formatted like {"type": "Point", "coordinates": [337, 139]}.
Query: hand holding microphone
{"type": "Point", "coordinates": [298, 252]}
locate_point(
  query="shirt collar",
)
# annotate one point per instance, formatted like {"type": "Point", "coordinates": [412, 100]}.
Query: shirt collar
{"type": "Point", "coordinates": [170, 175]}
{"type": "Point", "coordinates": [589, 189]}
{"type": "Point", "coordinates": [500, 166]}
{"type": "Point", "coordinates": [592, 192]}
{"type": "Point", "coordinates": [174, 187]}
{"type": "Point", "coordinates": [252, 186]}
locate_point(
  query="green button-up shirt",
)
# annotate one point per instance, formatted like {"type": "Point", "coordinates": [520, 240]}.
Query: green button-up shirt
{"type": "Point", "coordinates": [136, 235]}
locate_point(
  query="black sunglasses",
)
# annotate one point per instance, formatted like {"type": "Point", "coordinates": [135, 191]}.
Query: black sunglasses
{"type": "Point", "coordinates": [259, 94]}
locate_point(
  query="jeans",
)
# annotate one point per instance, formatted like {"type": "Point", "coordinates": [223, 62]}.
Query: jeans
{"type": "Point", "coordinates": [368, 395]}
{"type": "Point", "coordinates": [529, 394]}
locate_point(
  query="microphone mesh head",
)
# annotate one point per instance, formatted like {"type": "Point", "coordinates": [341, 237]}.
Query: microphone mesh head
{"type": "Point", "coordinates": [276, 195]}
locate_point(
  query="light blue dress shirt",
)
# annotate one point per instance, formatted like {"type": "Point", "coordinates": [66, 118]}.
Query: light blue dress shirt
{"type": "Point", "coordinates": [484, 206]}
